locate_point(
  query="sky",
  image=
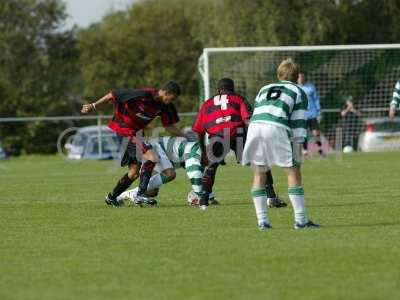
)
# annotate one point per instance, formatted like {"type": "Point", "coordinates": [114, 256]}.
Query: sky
{"type": "Point", "coordinates": [85, 12]}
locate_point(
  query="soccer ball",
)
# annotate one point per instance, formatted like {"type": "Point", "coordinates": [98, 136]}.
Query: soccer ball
{"type": "Point", "coordinates": [348, 149]}
{"type": "Point", "coordinates": [193, 199]}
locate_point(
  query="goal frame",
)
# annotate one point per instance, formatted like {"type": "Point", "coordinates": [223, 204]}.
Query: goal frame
{"type": "Point", "coordinates": [204, 64]}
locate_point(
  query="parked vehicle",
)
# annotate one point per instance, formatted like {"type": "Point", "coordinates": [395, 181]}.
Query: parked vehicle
{"type": "Point", "coordinates": [3, 154]}
{"type": "Point", "coordinates": [85, 143]}
{"type": "Point", "coordinates": [380, 134]}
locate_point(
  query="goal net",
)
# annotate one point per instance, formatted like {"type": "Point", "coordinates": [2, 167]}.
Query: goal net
{"type": "Point", "coordinates": [364, 74]}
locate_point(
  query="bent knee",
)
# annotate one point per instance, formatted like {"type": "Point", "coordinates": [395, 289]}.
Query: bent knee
{"type": "Point", "coordinates": [168, 175]}
{"type": "Point", "coordinates": [151, 155]}
{"type": "Point", "coordinates": [133, 172]}
{"type": "Point", "coordinates": [152, 193]}
{"type": "Point", "coordinates": [133, 175]}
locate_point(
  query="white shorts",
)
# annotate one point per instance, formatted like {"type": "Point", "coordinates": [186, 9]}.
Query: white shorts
{"type": "Point", "coordinates": [268, 145]}
{"type": "Point", "coordinates": [163, 160]}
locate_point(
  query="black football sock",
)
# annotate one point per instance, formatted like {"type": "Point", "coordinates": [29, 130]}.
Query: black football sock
{"type": "Point", "coordinates": [207, 183]}
{"type": "Point", "coordinates": [145, 175]}
{"type": "Point", "coordinates": [204, 198]}
{"type": "Point", "coordinates": [269, 186]}
{"type": "Point", "coordinates": [305, 145]}
{"type": "Point", "coordinates": [319, 144]}
{"type": "Point", "coordinates": [121, 186]}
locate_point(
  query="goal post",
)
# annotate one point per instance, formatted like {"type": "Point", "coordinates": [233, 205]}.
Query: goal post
{"type": "Point", "coordinates": [364, 73]}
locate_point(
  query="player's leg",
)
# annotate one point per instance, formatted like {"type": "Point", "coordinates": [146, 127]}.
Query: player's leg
{"type": "Point", "coordinates": [305, 147]}
{"type": "Point", "coordinates": [128, 159]}
{"type": "Point", "coordinates": [158, 179]}
{"type": "Point", "coordinates": [259, 196]}
{"type": "Point", "coordinates": [163, 173]}
{"type": "Point", "coordinates": [305, 144]}
{"type": "Point", "coordinates": [317, 135]}
{"type": "Point", "coordinates": [269, 185]}
{"type": "Point", "coordinates": [151, 158]}
{"type": "Point", "coordinates": [123, 183]}
{"type": "Point", "coordinates": [296, 196]}
{"type": "Point", "coordinates": [216, 154]}
{"type": "Point", "coordinates": [207, 183]}
{"type": "Point", "coordinates": [272, 198]}
{"type": "Point", "coordinates": [194, 171]}
{"type": "Point", "coordinates": [314, 126]}
{"type": "Point", "coordinates": [130, 194]}
{"type": "Point", "coordinates": [256, 153]}
{"type": "Point", "coordinates": [164, 170]}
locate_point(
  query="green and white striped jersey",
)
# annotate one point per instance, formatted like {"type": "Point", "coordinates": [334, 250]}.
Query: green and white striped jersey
{"type": "Point", "coordinates": [283, 104]}
{"type": "Point", "coordinates": [178, 149]}
{"type": "Point", "coordinates": [396, 96]}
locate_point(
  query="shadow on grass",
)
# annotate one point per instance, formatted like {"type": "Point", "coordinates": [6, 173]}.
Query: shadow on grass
{"type": "Point", "coordinates": [383, 224]}
{"type": "Point", "coordinates": [166, 205]}
{"type": "Point", "coordinates": [341, 204]}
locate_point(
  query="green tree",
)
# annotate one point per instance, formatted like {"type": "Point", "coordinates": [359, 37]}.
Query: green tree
{"type": "Point", "coordinates": [153, 42]}
{"type": "Point", "coordinates": [144, 46]}
{"type": "Point", "coordinates": [37, 70]}
{"type": "Point", "coordinates": [369, 21]}
{"type": "Point", "coordinates": [45, 71]}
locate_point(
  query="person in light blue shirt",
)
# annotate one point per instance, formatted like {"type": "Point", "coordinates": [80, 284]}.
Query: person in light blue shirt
{"type": "Point", "coordinates": [395, 103]}
{"type": "Point", "coordinates": [313, 113]}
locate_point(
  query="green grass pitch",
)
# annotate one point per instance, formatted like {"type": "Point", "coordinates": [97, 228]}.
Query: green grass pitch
{"type": "Point", "coordinates": [58, 240]}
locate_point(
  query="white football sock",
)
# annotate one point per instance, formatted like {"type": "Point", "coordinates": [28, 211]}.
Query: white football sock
{"type": "Point", "coordinates": [296, 196]}
{"type": "Point", "coordinates": [260, 203]}
{"type": "Point", "coordinates": [122, 196]}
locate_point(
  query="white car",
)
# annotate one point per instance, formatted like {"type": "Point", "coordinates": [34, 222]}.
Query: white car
{"type": "Point", "coordinates": [85, 143]}
{"type": "Point", "coordinates": [2, 152]}
{"type": "Point", "coordinates": [380, 134]}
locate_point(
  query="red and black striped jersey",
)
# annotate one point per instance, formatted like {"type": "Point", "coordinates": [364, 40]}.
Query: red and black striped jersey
{"type": "Point", "coordinates": [226, 111]}
{"type": "Point", "coordinates": [134, 109]}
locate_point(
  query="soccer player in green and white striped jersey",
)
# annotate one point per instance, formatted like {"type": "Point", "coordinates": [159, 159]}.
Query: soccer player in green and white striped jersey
{"type": "Point", "coordinates": [275, 134]}
{"type": "Point", "coordinates": [181, 152]}
{"type": "Point", "coordinates": [395, 103]}
{"type": "Point", "coordinates": [175, 152]}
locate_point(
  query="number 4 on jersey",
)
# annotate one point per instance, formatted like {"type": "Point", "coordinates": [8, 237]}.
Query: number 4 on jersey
{"type": "Point", "coordinates": [221, 100]}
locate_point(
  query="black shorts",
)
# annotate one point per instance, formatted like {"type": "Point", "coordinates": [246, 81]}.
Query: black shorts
{"type": "Point", "coordinates": [218, 147]}
{"type": "Point", "coordinates": [132, 149]}
{"type": "Point", "coordinates": [313, 124]}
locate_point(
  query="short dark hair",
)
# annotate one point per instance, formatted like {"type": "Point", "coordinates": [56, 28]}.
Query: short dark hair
{"type": "Point", "coordinates": [172, 87]}
{"type": "Point", "coordinates": [226, 84]}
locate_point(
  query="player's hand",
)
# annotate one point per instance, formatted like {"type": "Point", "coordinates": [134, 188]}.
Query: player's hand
{"type": "Point", "coordinates": [319, 118]}
{"type": "Point", "coordinates": [86, 108]}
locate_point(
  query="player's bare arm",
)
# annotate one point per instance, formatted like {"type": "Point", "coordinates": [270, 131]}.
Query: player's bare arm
{"type": "Point", "coordinates": [86, 108]}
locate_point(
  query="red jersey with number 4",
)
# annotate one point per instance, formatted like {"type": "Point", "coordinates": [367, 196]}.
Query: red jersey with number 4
{"type": "Point", "coordinates": [226, 111]}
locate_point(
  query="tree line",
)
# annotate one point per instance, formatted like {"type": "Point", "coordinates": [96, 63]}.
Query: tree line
{"type": "Point", "coordinates": [47, 71]}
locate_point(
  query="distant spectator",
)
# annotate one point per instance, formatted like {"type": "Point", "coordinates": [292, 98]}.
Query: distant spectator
{"type": "Point", "coordinates": [395, 103]}
{"type": "Point", "coordinates": [350, 124]}
{"type": "Point", "coordinates": [313, 112]}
